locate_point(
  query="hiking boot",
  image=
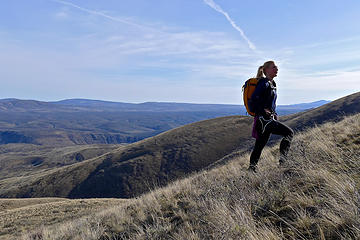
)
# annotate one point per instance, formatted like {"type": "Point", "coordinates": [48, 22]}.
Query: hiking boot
{"type": "Point", "coordinates": [252, 168]}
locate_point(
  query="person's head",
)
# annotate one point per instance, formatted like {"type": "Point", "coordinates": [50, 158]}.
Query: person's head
{"type": "Point", "coordinates": [269, 69]}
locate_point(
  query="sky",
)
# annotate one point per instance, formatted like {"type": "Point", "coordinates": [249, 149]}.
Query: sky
{"type": "Point", "coordinates": [194, 51]}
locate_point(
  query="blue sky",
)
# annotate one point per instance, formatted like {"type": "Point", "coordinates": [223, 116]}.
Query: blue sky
{"type": "Point", "coordinates": [198, 51]}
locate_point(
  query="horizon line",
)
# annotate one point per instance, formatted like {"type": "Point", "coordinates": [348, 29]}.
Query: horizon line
{"type": "Point", "coordinates": [112, 101]}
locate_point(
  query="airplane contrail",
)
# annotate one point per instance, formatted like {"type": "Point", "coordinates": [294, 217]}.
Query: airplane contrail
{"type": "Point", "coordinates": [217, 8]}
{"type": "Point", "coordinates": [103, 15]}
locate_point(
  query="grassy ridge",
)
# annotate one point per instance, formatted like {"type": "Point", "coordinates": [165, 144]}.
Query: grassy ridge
{"type": "Point", "coordinates": [314, 197]}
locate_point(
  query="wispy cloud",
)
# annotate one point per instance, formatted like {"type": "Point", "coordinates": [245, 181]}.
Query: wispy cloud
{"type": "Point", "coordinates": [104, 15]}
{"type": "Point", "coordinates": [328, 43]}
{"type": "Point", "coordinates": [217, 8]}
{"type": "Point", "coordinates": [198, 44]}
{"type": "Point", "coordinates": [61, 15]}
{"type": "Point", "coordinates": [329, 85]}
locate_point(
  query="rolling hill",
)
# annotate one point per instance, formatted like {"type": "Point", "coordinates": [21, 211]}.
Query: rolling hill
{"type": "Point", "coordinates": [139, 167]}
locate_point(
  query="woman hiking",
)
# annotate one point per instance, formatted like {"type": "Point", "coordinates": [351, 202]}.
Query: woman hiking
{"type": "Point", "coordinates": [263, 101]}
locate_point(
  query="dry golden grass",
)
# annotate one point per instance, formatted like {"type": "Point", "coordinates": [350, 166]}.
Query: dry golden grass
{"type": "Point", "coordinates": [10, 203]}
{"type": "Point", "coordinates": [316, 196]}
{"type": "Point", "coordinates": [23, 215]}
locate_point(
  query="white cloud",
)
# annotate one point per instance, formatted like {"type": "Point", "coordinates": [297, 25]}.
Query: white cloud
{"type": "Point", "coordinates": [324, 81]}
{"type": "Point", "coordinates": [329, 43]}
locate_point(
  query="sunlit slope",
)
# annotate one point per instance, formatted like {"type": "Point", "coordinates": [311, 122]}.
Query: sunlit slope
{"type": "Point", "coordinates": [314, 196]}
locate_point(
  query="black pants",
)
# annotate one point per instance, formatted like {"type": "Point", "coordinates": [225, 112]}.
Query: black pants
{"type": "Point", "coordinates": [273, 127]}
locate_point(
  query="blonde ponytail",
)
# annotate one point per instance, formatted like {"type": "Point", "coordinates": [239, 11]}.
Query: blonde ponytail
{"type": "Point", "coordinates": [260, 72]}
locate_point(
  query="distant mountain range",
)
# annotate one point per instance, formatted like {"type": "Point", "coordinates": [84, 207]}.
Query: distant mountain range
{"type": "Point", "coordinates": [12, 104]}
{"type": "Point", "coordinates": [174, 107]}
{"type": "Point", "coordinates": [84, 121]}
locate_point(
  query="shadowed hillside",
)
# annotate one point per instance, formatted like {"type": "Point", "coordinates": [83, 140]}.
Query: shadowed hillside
{"type": "Point", "coordinates": [315, 196]}
{"type": "Point", "coordinates": [165, 157]}
{"type": "Point", "coordinates": [137, 168]}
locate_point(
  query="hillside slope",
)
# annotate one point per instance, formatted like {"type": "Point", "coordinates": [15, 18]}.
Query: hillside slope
{"type": "Point", "coordinates": [156, 161]}
{"type": "Point", "coordinates": [136, 168]}
{"type": "Point", "coordinates": [315, 196]}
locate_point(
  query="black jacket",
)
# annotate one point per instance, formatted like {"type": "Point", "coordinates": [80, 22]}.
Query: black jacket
{"type": "Point", "coordinates": [263, 97]}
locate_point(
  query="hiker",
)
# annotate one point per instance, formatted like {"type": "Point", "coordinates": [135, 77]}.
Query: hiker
{"type": "Point", "coordinates": [263, 101]}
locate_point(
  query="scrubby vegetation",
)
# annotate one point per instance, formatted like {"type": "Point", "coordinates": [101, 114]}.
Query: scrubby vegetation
{"type": "Point", "coordinates": [315, 196]}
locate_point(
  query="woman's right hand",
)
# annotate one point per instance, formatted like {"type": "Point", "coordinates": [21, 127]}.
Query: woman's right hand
{"type": "Point", "coordinates": [267, 112]}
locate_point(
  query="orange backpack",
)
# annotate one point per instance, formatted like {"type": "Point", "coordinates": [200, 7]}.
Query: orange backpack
{"type": "Point", "coordinates": [248, 89]}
